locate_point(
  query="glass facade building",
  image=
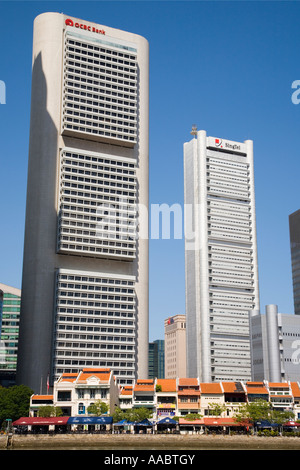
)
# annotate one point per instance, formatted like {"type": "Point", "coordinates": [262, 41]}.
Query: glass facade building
{"type": "Point", "coordinates": [9, 332]}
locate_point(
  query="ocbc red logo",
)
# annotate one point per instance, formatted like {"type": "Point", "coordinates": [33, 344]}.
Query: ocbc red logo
{"type": "Point", "coordinates": [70, 22]}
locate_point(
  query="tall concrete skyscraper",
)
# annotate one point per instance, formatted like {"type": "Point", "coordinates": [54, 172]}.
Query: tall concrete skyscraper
{"type": "Point", "coordinates": [294, 223]}
{"type": "Point", "coordinates": [85, 272]}
{"type": "Point", "coordinates": [220, 257]}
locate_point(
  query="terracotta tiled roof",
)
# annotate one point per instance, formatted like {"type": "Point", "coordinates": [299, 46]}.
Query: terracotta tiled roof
{"type": "Point", "coordinates": [232, 387]}
{"type": "Point", "coordinates": [126, 390]}
{"type": "Point", "coordinates": [188, 382]}
{"type": "Point", "coordinates": [256, 388]}
{"type": "Point", "coordinates": [102, 374]}
{"type": "Point", "coordinates": [295, 389]}
{"type": "Point", "coordinates": [213, 388]}
{"type": "Point", "coordinates": [167, 385]}
{"type": "Point", "coordinates": [68, 377]}
{"type": "Point", "coordinates": [146, 385]}
{"type": "Point", "coordinates": [278, 385]}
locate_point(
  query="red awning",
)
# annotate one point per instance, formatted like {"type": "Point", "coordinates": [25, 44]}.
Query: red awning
{"type": "Point", "coordinates": [213, 422]}
{"type": "Point", "coordinates": [36, 421]}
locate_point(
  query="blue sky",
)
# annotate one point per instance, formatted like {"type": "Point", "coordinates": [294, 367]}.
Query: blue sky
{"type": "Point", "coordinates": [227, 67]}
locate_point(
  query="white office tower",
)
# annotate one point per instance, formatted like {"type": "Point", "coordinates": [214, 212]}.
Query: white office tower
{"type": "Point", "coordinates": [85, 272]}
{"type": "Point", "coordinates": [220, 257]}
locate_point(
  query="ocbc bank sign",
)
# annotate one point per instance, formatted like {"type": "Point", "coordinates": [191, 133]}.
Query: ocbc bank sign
{"type": "Point", "coordinates": [70, 22]}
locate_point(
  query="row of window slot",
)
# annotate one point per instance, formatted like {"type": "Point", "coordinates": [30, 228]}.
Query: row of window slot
{"type": "Point", "coordinates": [99, 110]}
{"type": "Point", "coordinates": [91, 329]}
{"type": "Point", "coordinates": [215, 303]}
{"type": "Point", "coordinates": [102, 102]}
{"type": "Point", "coordinates": [73, 217]}
{"type": "Point", "coordinates": [110, 317]}
{"type": "Point", "coordinates": [127, 189]}
{"type": "Point", "coordinates": [220, 169]}
{"type": "Point", "coordinates": [214, 202]}
{"type": "Point", "coordinates": [234, 194]}
{"type": "Point", "coordinates": [230, 251]}
{"type": "Point", "coordinates": [104, 198]}
{"type": "Point", "coordinates": [101, 99]}
{"type": "Point", "coordinates": [90, 287]}
{"type": "Point", "coordinates": [118, 230]}
{"type": "Point", "coordinates": [104, 54]}
{"type": "Point", "coordinates": [128, 245]}
{"type": "Point", "coordinates": [121, 132]}
{"type": "Point", "coordinates": [97, 47]}
{"type": "Point", "coordinates": [112, 164]}
{"type": "Point", "coordinates": [230, 236]}
{"type": "Point", "coordinates": [109, 69]}
{"type": "Point", "coordinates": [116, 331]}
{"type": "Point", "coordinates": [103, 296]}
{"type": "Point", "coordinates": [97, 172]}
{"type": "Point", "coordinates": [227, 163]}
{"type": "Point", "coordinates": [101, 252]}
{"type": "Point", "coordinates": [225, 281]}
{"type": "Point", "coordinates": [223, 184]}
{"type": "Point", "coordinates": [228, 268]}
{"type": "Point", "coordinates": [102, 88]}
{"type": "Point", "coordinates": [79, 61]}
{"type": "Point", "coordinates": [98, 118]}
{"type": "Point", "coordinates": [129, 79]}
{"type": "Point", "coordinates": [101, 82]}
{"type": "Point", "coordinates": [98, 133]}
{"type": "Point", "coordinates": [90, 280]}
{"type": "Point", "coordinates": [230, 222]}
{"type": "Point", "coordinates": [229, 229]}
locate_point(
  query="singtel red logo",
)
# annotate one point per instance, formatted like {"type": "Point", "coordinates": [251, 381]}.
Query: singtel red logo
{"type": "Point", "coordinates": [70, 22]}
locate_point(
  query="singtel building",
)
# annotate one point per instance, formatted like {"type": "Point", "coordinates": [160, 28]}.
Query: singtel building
{"type": "Point", "coordinates": [220, 257]}
{"type": "Point", "coordinates": [85, 270]}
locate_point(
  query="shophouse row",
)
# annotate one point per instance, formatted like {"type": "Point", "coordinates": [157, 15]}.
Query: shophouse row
{"type": "Point", "coordinates": [74, 393]}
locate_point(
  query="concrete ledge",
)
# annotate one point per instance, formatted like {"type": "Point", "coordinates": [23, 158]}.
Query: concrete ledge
{"type": "Point", "coordinates": [143, 442]}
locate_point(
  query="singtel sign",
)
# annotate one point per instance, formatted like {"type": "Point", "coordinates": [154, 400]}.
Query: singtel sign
{"type": "Point", "coordinates": [70, 22]}
{"type": "Point", "coordinates": [226, 145]}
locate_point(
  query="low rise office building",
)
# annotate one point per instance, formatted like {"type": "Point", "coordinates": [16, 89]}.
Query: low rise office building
{"type": "Point", "coordinates": [275, 345]}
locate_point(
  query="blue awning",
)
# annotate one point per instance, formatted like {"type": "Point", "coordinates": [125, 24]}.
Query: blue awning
{"type": "Point", "coordinates": [90, 420]}
{"type": "Point", "coordinates": [145, 422]}
{"type": "Point", "coordinates": [123, 422]}
{"type": "Point", "coordinates": [167, 421]}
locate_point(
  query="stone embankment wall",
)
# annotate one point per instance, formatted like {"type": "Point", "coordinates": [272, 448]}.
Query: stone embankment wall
{"type": "Point", "coordinates": [171, 443]}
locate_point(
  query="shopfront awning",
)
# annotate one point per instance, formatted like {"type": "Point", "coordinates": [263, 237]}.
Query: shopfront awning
{"type": "Point", "coordinates": [145, 422]}
{"type": "Point", "coordinates": [90, 420]}
{"type": "Point", "coordinates": [38, 421]}
{"type": "Point", "coordinates": [167, 421]}
{"type": "Point", "coordinates": [124, 422]}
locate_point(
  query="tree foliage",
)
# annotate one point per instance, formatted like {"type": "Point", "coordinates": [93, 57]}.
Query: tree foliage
{"type": "Point", "coordinates": [132, 415]}
{"type": "Point", "coordinates": [216, 409]}
{"type": "Point", "coordinates": [49, 411]}
{"type": "Point", "coordinates": [14, 402]}
{"type": "Point", "coordinates": [261, 410]}
{"type": "Point", "coordinates": [98, 408]}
